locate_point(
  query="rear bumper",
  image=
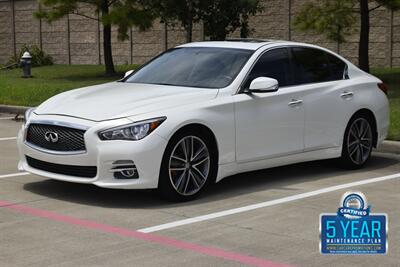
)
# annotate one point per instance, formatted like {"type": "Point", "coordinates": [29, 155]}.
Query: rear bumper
{"type": "Point", "coordinates": [146, 155]}
{"type": "Point", "coordinates": [383, 121]}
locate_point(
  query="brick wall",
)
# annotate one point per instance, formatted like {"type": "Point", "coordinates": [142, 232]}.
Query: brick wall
{"type": "Point", "coordinates": [78, 40]}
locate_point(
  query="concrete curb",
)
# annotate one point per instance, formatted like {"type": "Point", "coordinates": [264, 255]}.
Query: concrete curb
{"type": "Point", "coordinates": [386, 147]}
{"type": "Point", "coordinates": [389, 147]}
{"type": "Point", "coordinates": [13, 109]}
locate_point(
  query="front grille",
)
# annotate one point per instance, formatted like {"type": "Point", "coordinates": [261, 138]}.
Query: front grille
{"type": "Point", "coordinates": [71, 170]}
{"type": "Point", "coordinates": [68, 139]}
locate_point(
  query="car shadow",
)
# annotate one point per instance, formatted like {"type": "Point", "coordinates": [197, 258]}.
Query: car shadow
{"type": "Point", "coordinates": [286, 178]}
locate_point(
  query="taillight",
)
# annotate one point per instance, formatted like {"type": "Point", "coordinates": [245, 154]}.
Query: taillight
{"type": "Point", "coordinates": [383, 88]}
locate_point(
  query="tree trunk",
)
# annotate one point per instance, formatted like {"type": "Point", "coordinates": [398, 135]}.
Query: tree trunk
{"type": "Point", "coordinates": [108, 58]}
{"type": "Point", "coordinates": [363, 58]}
{"type": "Point", "coordinates": [189, 21]}
{"type": "Point", "coordinates": [189, 31]}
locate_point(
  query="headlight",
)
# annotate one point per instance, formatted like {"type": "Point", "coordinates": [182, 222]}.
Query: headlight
{"type": "Point", "coordinates": [133, 132]}
{"type": "Point", "coordinates": [28, 113]}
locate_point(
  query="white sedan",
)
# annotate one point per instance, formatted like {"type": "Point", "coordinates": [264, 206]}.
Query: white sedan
{"type": "Point", "coordinates": [204, 111]}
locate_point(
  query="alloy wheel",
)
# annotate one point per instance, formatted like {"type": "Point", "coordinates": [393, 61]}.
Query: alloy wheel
{"type": "Point", "coordinates": [359, 141]}
{"type": "Point", "coordinates": [189, 165]}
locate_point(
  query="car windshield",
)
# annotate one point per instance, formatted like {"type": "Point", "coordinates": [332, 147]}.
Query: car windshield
{"type": "Point", "coordinates": [204, 67]}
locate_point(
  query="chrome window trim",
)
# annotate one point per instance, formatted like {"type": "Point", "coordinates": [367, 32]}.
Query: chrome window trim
{"type": "Point", "coordinates": [240, 90]}
{"type": "Point", "coordinates": [55, 123]}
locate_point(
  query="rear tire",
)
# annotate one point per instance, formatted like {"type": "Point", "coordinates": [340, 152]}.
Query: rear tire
{"type": "Point", "coordinates": [189, 164]}
{"type": "Point", "coordinates": [357, 143]}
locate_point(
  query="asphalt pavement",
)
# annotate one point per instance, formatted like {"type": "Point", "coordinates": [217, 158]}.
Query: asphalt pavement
{"type": "Point", "coordinates": [262, 218]}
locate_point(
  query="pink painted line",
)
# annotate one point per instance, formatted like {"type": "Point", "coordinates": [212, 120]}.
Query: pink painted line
{"type": "Point", "coordinates": [210, 251]}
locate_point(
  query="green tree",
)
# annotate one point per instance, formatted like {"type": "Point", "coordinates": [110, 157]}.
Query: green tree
{"type": "Point", "coordinates": [123, 13]}
{"type": "Point", "coordinates": [171, 12]}
{"type": "Point", "coordinates": [337, 18]}
{"type": "Point", "coordinates": [221, 17]}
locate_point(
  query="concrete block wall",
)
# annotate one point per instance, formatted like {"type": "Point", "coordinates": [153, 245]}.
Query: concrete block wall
{"type": "Point", "coordinates": [83, 37]}
{"type": "Point", "coordinates": [78, 40]}
{"type": "Point", "coordinates": [6, 31]}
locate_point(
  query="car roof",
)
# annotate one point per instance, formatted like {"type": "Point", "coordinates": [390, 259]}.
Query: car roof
{"type": "Point", "coordinates": [255, 44]}
{"type": "Point", "coordinates": [246, 43]}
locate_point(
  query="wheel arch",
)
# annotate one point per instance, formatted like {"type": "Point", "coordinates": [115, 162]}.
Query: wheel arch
{"type": "Point", "coordinates": [204, 130]}
{"type": "Point", "coordinates": [207, 133]}
{"type": "Point", "coordinates": [371, 117]}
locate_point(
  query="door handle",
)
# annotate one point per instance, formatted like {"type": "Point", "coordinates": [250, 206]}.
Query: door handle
{"type": "Point", "coordinates": [346, 94]}
{"type": "Point", "coordinates": [295, 102]}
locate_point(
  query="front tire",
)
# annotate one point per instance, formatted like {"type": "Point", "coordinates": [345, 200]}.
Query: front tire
{"type": "Point", "coordinates": [357, 143]}
{"type": "Point", "coordinates": [188, 166]}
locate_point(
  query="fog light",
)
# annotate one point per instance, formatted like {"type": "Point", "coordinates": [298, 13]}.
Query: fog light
{"type": "Point", "coordinates": [124, 169]}
{"type": "Point", "coordinates": [128, 173]}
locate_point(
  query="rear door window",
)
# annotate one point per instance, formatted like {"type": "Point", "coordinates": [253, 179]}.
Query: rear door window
{"type": "Point", "coordinates": [314, 66]}
{"type": "Point", "coordinates": [337, 67]}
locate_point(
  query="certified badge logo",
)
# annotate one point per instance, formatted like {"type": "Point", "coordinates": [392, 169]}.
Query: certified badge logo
{"type": "Point", "coordinates": [354, 205]}
{"type": "Point", "coordinates": [353, 229]}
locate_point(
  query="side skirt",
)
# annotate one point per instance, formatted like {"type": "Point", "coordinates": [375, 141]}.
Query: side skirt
{"type": "Point", "coordinates": [229, 169]}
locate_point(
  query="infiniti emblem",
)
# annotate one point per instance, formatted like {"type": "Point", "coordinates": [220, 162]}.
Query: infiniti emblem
{"type": "Point", "coordinates": [51, 137]}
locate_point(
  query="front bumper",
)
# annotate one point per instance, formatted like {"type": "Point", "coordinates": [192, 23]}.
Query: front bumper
{"type": "Point", "coordinates": [146, 154]}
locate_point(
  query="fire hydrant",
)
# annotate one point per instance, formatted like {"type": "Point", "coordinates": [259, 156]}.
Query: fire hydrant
{"type": "Point", "coordinates": [26, 64]}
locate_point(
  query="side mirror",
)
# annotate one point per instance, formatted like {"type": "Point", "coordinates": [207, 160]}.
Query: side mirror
{"type": "Point", "coordinates": [263, 85]}
{"type": "Point", "coordinates": [129, 72]}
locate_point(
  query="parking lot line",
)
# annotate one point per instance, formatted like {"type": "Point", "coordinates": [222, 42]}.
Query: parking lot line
{"type": "Point", "coordinates": [13, 175]}
{"type": "Point", "coordinates": [7, 118]}
{"type": "Point", "coordinates": [160, 240]}
{"type": "Point", "coordinates": [265, 204]}
{"type": "Point", "coordinates": [8, 138]}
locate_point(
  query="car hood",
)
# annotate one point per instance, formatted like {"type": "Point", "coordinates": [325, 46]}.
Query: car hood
{"type": "Point", "coordinates": [118, 99]}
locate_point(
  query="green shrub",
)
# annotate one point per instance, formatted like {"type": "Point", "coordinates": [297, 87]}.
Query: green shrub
{"type": "Point", "coordinates": [39, 57]}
